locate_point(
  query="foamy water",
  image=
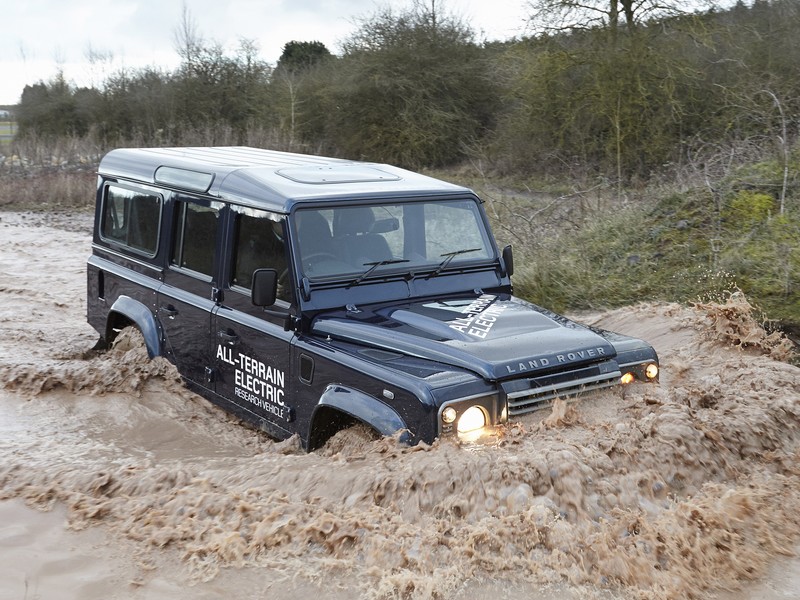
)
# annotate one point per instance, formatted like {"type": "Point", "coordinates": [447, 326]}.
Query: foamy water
{"type": "Point", "coordinates": [136, 488]}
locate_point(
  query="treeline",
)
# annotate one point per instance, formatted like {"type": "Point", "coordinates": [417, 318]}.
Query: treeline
{"type": "Point", "coordinates": [623, 97]}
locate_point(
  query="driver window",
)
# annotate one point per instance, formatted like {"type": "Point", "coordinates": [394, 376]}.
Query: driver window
{"type": "Point", "coordinates": [259, 244]}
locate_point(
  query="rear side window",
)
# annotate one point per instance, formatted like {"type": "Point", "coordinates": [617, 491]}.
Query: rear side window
{"type": "Point", "coordinates": [131, 218]}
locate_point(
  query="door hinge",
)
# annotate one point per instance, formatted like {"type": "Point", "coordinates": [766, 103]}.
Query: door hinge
{"type": "Point", "coordinates": [216, 295]}
{"type": "Point", "coordinates": [209, 375]}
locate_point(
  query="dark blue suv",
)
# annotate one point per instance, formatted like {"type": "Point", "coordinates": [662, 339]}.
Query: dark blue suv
{"type": "Point", "coordinates": [307, 294]}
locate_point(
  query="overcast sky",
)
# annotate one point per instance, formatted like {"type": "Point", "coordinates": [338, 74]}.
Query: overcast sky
{"type": "Point", "coordinates": [39, 37]}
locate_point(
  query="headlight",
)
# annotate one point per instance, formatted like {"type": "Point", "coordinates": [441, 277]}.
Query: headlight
{"type": "Point", "coordinates": [643, 371]}
{"type": "Point", "coordinates": [471, 419]}
{"type": "Point", "coordinates": [651, 371]}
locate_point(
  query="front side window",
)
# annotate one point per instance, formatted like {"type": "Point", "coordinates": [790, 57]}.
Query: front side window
{"type": "Point", "coordinates": [131, 218]}
{"type": "Point", "coordinates": [195, 235]}
{"type": "Point", "coordinates": [417, 236]}
{"type": "Point", "coordinates": [258, 244]}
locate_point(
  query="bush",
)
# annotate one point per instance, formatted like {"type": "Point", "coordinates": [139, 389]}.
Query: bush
{"type": "Point", "coordinates": [747, 209]}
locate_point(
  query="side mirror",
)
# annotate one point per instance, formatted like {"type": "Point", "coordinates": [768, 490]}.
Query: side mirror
{"type": "Point", "coordinates": [265, 287]}
{"type": "Point", "coordinates": [508, 260]}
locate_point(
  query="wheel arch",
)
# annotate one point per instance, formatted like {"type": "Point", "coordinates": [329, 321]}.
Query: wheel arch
{"type": "Point", "coordinates": [340, 407]}
{"type": "Point", "coordinates": [128, 311]}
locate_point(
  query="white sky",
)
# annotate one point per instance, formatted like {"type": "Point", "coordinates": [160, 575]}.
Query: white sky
{"type": "Point", "coordinates": [37, 37]}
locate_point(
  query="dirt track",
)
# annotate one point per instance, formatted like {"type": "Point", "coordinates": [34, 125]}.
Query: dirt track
{"type": "Point", "coordinates": [118, 483]}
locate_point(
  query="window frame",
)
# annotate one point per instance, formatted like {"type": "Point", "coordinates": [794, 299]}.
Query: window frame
{"type": "Point", "coordinates": [178, 234]}
{"type": "Point", "coordinates": [235, 212]}
{"type": "Point", "coordinates": [410, 205]}
{"type": "Point", "coordinates": [125, 244]}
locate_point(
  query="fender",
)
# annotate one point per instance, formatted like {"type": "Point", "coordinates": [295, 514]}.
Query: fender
{"type": "Point", "coordinates": [143, 318]}
{"type": "Point", "coordinates": [381, 417]}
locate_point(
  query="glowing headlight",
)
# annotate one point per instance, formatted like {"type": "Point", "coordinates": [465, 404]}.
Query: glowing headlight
{"type": "Point", "coordinates": [471, 419]}
{"type": "Point", "coordinates": [449, 415]}
{"type": "Point", "coordinates": [627, 378]}
{"type": "Point", "coordinates": [651, 371]}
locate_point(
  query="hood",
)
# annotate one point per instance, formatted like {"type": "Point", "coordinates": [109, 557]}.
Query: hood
{"type": "Point", "coordinates": [498, 337]}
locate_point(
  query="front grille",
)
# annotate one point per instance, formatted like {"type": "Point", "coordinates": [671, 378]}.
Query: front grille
{"type": "Point", "coordinates": [535, 398]}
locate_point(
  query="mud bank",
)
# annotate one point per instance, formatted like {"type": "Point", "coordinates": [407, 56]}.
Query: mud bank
{"type": "Point", "coordinates": [116, 482]}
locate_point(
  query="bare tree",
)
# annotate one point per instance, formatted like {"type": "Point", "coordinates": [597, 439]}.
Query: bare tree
{"type": "Point", "coordinates": [784, 143]}
{"type": "Point", "coordinates": [188, 41]}
{"type": "Point", "coordinates": [563, 15]}
{"type": "Point", "coordinates": [100, 62]}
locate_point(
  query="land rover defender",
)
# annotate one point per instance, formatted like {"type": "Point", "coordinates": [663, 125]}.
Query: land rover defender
{"type": "Point", "coordinates": [306, 294]}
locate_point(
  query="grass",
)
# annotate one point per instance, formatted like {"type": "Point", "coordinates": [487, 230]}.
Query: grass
{"type": "Point", "coordinates": [8, 129]}
{"type": "Point", "coordinates": [48, 190]}
{"type": "Point", "coordinates": [677, 248]}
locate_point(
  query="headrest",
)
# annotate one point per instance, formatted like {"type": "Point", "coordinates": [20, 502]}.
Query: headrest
{"type": "Point", "coordinates": [311, 224]}
{"type": "Point", "coordinates": [352, 221]}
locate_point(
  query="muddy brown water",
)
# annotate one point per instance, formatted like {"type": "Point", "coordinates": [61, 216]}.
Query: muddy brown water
{"type": "Point", "coordinates": [116, 482]}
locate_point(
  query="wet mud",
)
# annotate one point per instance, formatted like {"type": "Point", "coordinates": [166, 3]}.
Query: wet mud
{"type": "Point", "coordinates": [116, 482]}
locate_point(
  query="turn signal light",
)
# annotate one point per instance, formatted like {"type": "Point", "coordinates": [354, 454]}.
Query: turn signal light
{"type": "Point", "coordinates": [449, 415]}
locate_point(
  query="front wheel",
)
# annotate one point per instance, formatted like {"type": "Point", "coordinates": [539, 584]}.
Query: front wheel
{"type": "Point", "coordinates": [355, 439]}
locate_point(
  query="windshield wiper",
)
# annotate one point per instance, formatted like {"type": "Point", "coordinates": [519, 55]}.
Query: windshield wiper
{"type": "Point", "coordinates": [375, 265]}
{"type": "Point", "coordinates": [450, 256]}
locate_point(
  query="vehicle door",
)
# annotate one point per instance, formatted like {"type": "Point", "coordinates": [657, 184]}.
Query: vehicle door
{"type": "Point", "coordinates": [252, 349]}
{"type": "Point", "coordinates": [190, 291]}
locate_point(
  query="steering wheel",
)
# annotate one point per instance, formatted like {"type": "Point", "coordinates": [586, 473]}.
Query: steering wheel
{"type": "Point", "coordinates": [315, 256]}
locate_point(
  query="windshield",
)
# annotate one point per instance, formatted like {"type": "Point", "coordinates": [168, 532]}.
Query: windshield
{"type": "Point", "coordinates": [357, 242]}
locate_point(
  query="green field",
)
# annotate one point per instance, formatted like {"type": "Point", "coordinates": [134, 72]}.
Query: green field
{"type": "Point", "coordinates": [7, 130]}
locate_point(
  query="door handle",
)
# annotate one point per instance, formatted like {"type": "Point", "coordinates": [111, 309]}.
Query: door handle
{"type": "Point", "coordinates": [169, 310]}
{"type": "Point", "coordinates": [229, 338]}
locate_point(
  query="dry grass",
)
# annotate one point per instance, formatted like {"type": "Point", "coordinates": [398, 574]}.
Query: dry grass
{"type": "Point", "coordinates": [48, 189]}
